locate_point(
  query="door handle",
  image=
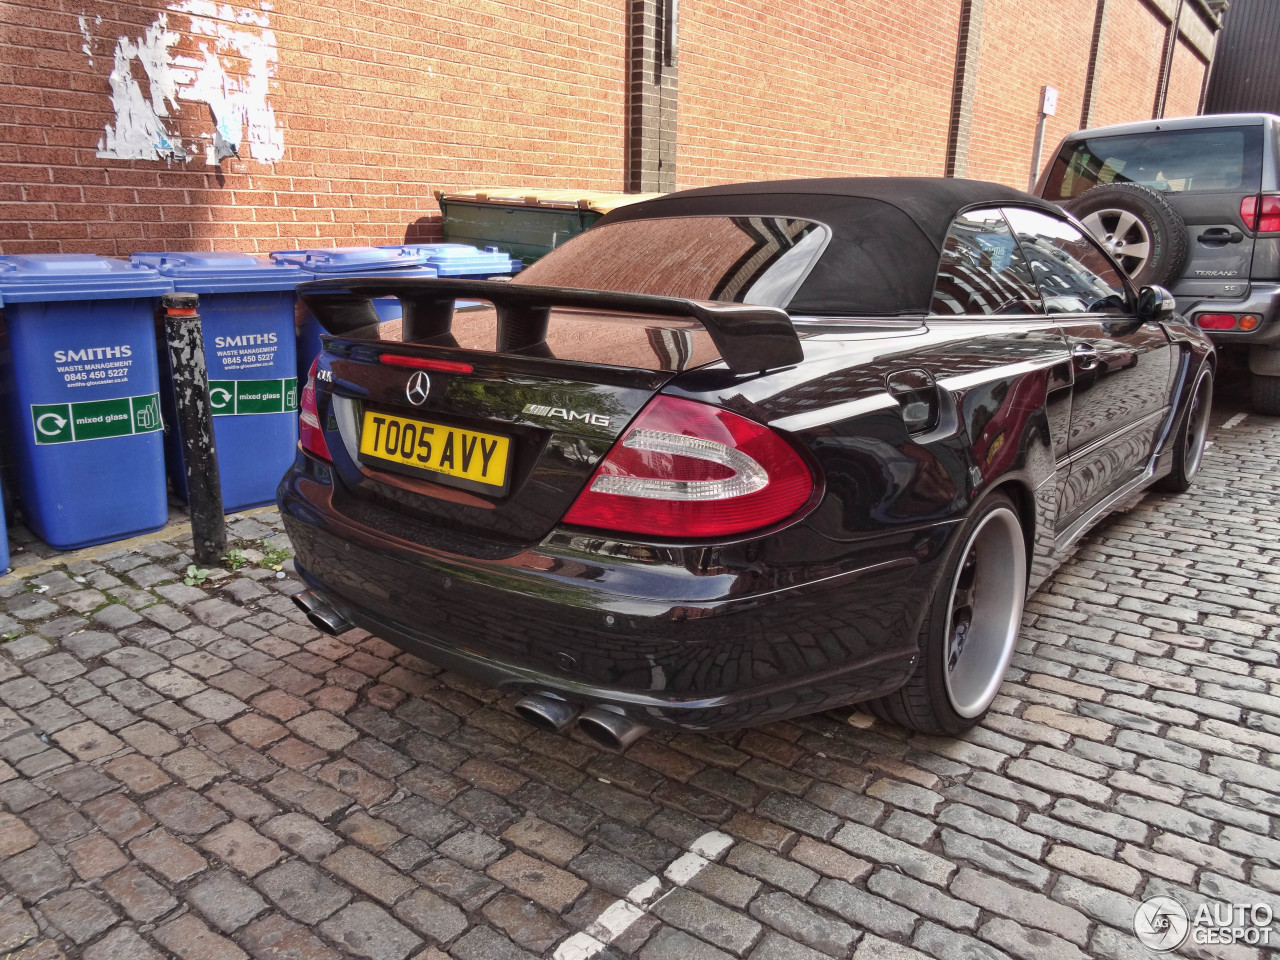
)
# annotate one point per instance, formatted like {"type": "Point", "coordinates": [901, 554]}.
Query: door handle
{"type": "Point", "coordinates": [1221, 235]}
{"type": "Point", "coordinates": [1085, 355]}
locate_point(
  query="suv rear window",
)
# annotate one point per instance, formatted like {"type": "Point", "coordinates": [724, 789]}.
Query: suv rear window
{"type": "Point", "coordinates": [1171, 161]}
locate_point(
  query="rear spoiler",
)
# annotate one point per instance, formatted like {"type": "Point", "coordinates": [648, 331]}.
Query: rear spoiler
{"type": "Point", "coordinates": [749, 338]}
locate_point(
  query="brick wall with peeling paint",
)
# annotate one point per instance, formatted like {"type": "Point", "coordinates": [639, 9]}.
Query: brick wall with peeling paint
{"type": "Point", "coordinates": [373, 105]}
{"type": "Point", "coordinates": [276, 124]}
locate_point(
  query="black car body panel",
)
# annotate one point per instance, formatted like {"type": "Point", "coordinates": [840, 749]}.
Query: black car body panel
{"type": "Point", "coordinates": [819, 610]}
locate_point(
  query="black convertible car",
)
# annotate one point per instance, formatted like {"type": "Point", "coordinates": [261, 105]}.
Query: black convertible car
{"type": "Point", "coordinates": [739, 453]}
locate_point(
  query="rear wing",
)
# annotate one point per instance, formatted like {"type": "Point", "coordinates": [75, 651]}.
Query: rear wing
{"type": "Point", "coordinates": [749, 338]}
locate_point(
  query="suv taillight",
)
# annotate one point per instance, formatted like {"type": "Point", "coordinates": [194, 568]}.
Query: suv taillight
{"type": "Point", "coordinates": [1264, 217]}
{"type": "Point", "coordinates": [690, 470]}
{"type": "Point", "coordinates": [310, 434]}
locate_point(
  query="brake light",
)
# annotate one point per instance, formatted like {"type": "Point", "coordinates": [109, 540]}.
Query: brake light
{"type": "Point", "coordinates": [1227, 321]}
{"type": "Point", "coordinates": [424, 363]}
{"type": "Point", "coordinates": [310, 434]}
{"type": "Point", "coordinates": [1216, 321]}
{"type": "Point", "coordinates": [1264, 219]}
{"type": "Point", "coordinates": [687, 469]}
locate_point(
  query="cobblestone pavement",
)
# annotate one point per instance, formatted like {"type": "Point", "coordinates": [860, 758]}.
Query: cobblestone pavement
{"type": "Point", "coordinates": [194, 771]}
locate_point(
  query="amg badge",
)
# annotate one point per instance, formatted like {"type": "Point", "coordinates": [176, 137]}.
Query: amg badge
{"type": "Point", "coordinates": [539, 410]}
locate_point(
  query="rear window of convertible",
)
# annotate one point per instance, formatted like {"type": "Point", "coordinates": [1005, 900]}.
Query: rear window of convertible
{"type": "Point", "coordinates": [755, 260]}
{"type": "Point", "coordinates": [1170, 161]}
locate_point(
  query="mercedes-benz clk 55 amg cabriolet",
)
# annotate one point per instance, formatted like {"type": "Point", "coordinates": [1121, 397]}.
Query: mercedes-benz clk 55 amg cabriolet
{"type": "Point", "coordinates": [739, 453]}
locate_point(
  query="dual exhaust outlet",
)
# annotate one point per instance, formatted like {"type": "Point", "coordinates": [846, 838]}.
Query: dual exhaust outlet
{"type": "Point", "coordinates": [606, 725]}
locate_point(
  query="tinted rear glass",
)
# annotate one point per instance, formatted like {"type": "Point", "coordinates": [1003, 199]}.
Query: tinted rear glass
{"type": "Point", "coordinates": [756, 260]}
{"type": "Point", "coordinates": [1171, 161]}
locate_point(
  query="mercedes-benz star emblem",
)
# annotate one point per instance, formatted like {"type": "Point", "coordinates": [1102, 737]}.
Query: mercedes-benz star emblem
{"type": "Point", "coordinates": [417, 387]}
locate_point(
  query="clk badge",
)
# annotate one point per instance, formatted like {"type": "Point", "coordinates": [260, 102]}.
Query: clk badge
{"type": "Point", "coordinates": [416, 389]}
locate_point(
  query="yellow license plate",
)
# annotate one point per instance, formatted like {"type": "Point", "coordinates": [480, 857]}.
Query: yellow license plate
{"type": "Point", "coordinates": [467, 455]}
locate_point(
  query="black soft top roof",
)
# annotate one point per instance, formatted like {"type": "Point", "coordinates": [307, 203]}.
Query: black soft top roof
{"type": "Point", "coordinates": [886, 232]}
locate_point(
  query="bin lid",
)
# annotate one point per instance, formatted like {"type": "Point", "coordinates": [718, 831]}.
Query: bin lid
{"type": "Point", "coordinates": [344, 261]}
{"type": "Point", "coordinates": [547, 199]}
{"type": "Point", "coordinates": [223, 272]}
{"type": "Point", "coordinates": [44, 277]}
{"type": "Point", "coordinates": [462, 259]}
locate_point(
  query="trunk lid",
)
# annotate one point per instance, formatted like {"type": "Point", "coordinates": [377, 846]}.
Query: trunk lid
{"type": "Point", "coordinates": [446, 434]}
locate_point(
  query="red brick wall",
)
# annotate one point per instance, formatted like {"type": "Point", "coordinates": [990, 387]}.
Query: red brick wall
{"type": "Point", "coordinates": [379, 104]}
{"type": "Point", "coordinates": [1023, 48]}
{"type": "Point", "coordinates": [1185, 82]}
{"type": "Point", "coordinates": [1129, 68]}
{"type": "Point", "coordinates": [813, 88]}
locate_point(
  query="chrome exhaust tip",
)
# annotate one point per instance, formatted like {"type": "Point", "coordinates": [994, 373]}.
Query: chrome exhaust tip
{"type": "Point", "coordinates": [609, 727]}
{"type": "Point", "coordinates": [321, 614]}
{"type": "Point", "coordinates": [547, 711]}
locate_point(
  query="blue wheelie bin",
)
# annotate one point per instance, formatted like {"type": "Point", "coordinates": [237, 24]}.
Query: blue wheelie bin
{"type": "Point", "coordinates": [336, 262]}
{"type": "Point", "coordinates": [4, 542]}
{"type": "Point", "coordinates": [246, 313]}
{"type": "Point", "coordinates": [463, 260]}
{"type": "Point", "coordinates": [85, 404]}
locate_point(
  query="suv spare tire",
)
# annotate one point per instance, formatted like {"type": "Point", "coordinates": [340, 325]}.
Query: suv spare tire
{"type": "Point", "coordinates": [1139, 227]}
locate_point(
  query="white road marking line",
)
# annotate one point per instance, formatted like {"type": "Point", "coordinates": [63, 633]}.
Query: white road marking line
{"type": "Point", "coordinates": [1234, 421]}
{"type": "Point", "coordinates": [617, 918]}
{"type": "Point", "coordinates": [711, 845]}
{"type": "Point", "coordinates": [580, 946]}
{"type": "Point", "coordinates": [613, 923]}
{"type": "Point", "coordinates": [686, 868]}
{"type": "Point", "coordinates": [642, 893]}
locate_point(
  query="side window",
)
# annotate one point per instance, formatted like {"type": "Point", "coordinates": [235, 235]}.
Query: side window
{"type": "Point", "coordinates": [983, 270]}
{"type": "Point", "coordinates": [1073, 274]}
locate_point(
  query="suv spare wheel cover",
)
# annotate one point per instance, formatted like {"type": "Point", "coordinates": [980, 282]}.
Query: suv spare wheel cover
{"type": "Point", "coordinates": [1139, 227]}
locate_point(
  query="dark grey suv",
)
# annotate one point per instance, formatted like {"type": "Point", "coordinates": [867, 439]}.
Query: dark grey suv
{"type": "Point", "coordinates": [1192, 204]}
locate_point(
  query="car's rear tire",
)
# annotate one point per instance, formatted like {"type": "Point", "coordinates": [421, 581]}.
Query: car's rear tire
{"type": "Point", "coordinates": [1193, 428]}
{"type": "Point", "coordinates": [1266, 394]}
{"type": "Point", "coordinates": [1139, 227]}
{"type": "Point", "coordinates": [971, 628]}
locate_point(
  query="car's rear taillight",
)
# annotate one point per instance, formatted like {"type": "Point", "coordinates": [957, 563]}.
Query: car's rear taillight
{"type": "Point", "coordinates": [310, 435]}
{"type": "Point", "coordinates": [1261, 214]}
{"type": "Point", "coordinates": [690, 470]}
{"type": "Point", "coordinates": [1228, 321]}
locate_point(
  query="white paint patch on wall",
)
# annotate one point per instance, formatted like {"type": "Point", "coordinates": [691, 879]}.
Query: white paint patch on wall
{"type": "Point", "coordinates": [139, 132]}
{"type": "Point", "coordinates": [239, 105]}
{"type": "Point", "coordinates": [226, 82]}
{"type": "Point", "coordinates": [86, 47]}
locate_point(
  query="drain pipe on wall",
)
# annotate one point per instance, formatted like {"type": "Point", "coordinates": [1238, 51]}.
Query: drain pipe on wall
{"type": "Point", "coordinates": [1048, 107]}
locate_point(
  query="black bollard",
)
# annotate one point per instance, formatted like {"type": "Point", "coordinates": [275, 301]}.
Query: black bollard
{"type": "Point", "coordinates": [195, 426]}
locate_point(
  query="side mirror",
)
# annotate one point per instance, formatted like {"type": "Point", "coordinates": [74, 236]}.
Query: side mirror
{"type": "Point", "coordinates": [1155, 303]}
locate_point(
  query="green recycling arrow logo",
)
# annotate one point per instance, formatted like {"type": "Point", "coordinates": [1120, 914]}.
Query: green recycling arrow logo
{"type": "Point", "coordinates": [50, 425]}
{"type": "Point", "coordinates": [221, 399]}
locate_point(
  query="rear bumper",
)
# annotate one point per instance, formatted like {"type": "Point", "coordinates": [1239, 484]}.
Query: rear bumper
{"type": "Point", "coordinates": [1262, 300]}
{"type": "Point", "coordinates": [669, 643]}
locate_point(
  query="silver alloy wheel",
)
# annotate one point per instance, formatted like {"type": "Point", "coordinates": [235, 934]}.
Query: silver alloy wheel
{"type": "Point", "coordinates": [1124, 235]}
{"type": "Point", "coordinates": [1197, 426]}
{"type": "Point", "coordinates": [985, 612]}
